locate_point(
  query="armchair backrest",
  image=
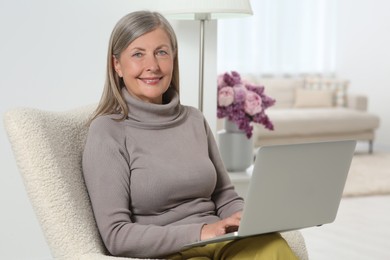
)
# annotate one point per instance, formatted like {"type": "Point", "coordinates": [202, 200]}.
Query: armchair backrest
{"type": "Point", "coordinates": [48, 149]}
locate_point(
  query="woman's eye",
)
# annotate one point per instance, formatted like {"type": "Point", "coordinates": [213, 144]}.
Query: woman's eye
{"type": "Point", "coordinates": [162, 53]}
{"type": "Point", "coordinates": [137, 55]}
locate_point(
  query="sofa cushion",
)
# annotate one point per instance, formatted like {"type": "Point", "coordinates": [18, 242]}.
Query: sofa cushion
{"type": "Point", "coordinates": [313, 98]}
{"type": "Point", "coordinates": [281, 89]}
{"type": "Point", "coordinates": [317, 121]}
{"type": "Point", "coordinates": [338, 86]}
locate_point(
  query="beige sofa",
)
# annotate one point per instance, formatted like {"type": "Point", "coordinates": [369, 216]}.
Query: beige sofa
{"type": "Point", "coordinates": [314, 109]}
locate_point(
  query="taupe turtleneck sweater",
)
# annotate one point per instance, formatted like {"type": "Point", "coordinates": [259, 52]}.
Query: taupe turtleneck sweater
{"type": "Point", "coordinates": [155, 178]}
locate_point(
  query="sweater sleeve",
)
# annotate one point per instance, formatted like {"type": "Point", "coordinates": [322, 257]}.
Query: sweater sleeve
{"type": "Point", "coordinates": [226, 199]}
{"type": "Point", "coordinates": [107, 176]}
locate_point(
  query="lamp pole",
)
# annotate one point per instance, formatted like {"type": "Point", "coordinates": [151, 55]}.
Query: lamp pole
{"type": "Point", "coordinates": [201, 64]}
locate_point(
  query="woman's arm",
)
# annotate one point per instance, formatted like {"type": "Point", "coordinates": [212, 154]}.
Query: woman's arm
{"type": "Point", "coordinates": [226, 199]}
{"type": "Point", "coordinates": [228, 204]}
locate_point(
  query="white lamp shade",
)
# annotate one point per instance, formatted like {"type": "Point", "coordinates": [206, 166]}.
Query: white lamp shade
{"type": "Point", "coordinates": [205, 9]}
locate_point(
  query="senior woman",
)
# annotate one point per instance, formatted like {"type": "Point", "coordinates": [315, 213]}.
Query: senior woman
{"type": "Point", "coordinates": [151, 165]}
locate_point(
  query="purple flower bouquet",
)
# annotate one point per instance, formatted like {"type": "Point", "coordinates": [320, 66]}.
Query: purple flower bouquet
{"type": "Point", "coordinates": [242, 102]}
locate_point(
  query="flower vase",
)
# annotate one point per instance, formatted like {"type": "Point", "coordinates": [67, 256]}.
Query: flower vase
{"type": "Point", "coordinates": [235, 147]}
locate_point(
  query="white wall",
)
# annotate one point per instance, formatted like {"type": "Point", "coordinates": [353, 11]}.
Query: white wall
{"type": "Point", "coordinates": [52, 57]}
{"type": "Point", "coordinates": [363, 56]}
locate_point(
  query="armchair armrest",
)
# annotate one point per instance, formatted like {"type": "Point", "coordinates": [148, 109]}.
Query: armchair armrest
{"type": "Point", "coordinates": [358, 102]}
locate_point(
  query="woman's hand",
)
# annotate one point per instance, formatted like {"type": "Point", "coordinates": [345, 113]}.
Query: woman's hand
{"type": "Point", "coordinates": [221, 227]}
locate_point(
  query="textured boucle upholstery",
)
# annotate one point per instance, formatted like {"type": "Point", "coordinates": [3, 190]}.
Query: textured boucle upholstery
{"type": "Point", "coordinates": [48, 149]}
{"type": "Point", "coordinates": [297, 243]}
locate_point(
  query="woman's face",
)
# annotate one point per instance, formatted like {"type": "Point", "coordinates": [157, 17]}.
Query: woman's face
{"type": "Point", "coordinates": [146, 66]}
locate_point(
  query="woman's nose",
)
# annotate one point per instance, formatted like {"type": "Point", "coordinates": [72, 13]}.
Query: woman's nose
{"type": "Point", "coordinates": [152, 64]}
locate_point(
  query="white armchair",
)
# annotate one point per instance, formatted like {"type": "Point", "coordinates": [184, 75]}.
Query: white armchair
{"type": "Point", "coordinates": [48, 149]}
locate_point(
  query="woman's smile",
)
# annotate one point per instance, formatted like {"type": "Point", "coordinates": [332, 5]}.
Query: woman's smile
{"type": "Point", "coordinates": [151, 81]}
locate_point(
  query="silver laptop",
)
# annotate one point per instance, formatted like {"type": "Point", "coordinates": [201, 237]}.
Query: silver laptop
{"type": "Point", "coordinates": [292, 187]}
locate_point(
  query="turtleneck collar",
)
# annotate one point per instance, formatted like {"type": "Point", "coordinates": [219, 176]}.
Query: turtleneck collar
{"type": "Point", "coordinates": [155, 116]}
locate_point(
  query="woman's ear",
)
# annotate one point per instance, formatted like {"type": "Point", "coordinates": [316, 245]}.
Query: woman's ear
{"type": "Point", "coordinates": [117, 66]}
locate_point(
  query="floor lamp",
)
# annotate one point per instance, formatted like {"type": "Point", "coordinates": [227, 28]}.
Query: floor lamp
{"type": "Point", "coordinates": [204, 10]}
